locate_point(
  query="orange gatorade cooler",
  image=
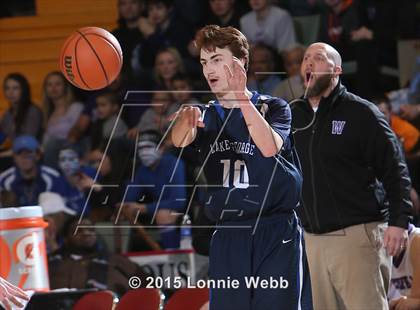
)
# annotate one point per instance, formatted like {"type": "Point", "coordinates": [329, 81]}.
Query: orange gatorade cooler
{"type": "Point", "coordinates": [23, 255]}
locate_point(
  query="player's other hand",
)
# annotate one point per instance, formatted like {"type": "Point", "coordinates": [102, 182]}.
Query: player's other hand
{"type": "Point", "coordinates": [9, 294]}
{"type": "Point", "coordinates": [188, 116]}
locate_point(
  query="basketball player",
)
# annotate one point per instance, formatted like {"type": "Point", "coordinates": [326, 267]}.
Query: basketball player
{"type": "Point", "coordinates": [253, 183]}
{"type": "Point", "coordinates": [8, 294]}
{"type": "Point", "coordinates": [404, 293]}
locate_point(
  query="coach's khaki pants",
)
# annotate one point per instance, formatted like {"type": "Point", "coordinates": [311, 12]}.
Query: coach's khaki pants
{"type": "Point", "coordinates": [349, 268]}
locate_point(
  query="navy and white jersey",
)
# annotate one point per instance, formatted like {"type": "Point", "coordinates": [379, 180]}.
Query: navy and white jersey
{"type": "Point", "coordinates": [241, 181]}
{"type": "Point", "coordinates": [47, 180]}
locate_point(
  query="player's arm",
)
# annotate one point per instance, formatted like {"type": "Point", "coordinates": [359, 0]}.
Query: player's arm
{"type": "Point", "coordinates": [267, 140]}
{"type": "Point", "coordinates": [184, 130]}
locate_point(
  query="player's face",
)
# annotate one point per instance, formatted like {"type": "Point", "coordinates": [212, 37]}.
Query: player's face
{"type": "Point", "coordinates": [158, 13]}
{"type": "Point", "coordinates": [130, 10]}
{"type": "Point", "coordinates": [12, 91]}
{"type": "Point", "coordinates": [213, 68]}
{"type": "Point", "coordinates": [183, 91]}
{"type": "Point", "coordinates": [317, 68]}
{"type": "Point", "coordinates": [166, 65]}
{"type": "Point", "coordinates": [54, 87]}
{"type": "Point", "coordinates": [261, 62]}
{"type": "Point", "coordinates": [258, 5]}
{"type": "Point", "coordinates": [221, 8]}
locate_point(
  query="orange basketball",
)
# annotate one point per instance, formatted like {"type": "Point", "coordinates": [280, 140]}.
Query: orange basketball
{"type": "Point", "coordinates": [91, 58]}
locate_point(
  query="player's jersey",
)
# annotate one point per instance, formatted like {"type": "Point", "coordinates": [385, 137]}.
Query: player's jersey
{"type": "Point", "coordinates": [402, 271]}
{"type": "Point", "coordinates": [241, 181]}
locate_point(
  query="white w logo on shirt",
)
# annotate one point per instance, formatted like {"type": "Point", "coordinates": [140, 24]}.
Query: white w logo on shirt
{"type": "Point", "coordinates": [337, 127]}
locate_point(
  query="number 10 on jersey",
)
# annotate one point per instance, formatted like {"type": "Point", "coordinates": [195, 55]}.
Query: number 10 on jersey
{"type": "Point", "coordinates": [240, 173]}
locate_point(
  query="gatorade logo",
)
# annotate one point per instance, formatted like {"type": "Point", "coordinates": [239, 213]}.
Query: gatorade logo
{"type": "Point", "coordinates": [68, 66]}
{"type": "Point", "coordinates": [26, 251]}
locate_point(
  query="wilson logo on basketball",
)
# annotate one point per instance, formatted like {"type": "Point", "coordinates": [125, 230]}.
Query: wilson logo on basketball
{"type": "Point", "coordinates": [67, 65]}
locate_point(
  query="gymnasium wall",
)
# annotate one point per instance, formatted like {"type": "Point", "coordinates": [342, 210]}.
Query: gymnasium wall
{"type": "Point", "coordinates": [31, 45]}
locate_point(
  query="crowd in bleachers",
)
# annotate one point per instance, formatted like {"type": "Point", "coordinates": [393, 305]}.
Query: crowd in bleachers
{"type": "Point", "coordinates": [98, 158]}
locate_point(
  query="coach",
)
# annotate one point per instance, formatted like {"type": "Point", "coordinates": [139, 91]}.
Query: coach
{"type": "Point", "coordinates": [356, 204]}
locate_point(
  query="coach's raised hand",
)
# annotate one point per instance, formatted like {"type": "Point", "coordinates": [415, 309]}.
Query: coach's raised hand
{"type": "Point", "coordinates": [187, 119]}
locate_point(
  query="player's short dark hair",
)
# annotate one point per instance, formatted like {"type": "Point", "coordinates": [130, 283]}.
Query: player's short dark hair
{"type": "Point", "coordinates": [212, 36]}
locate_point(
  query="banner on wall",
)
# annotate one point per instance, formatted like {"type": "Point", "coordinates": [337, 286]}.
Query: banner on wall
{"type": "Point", "coordinates": [170, 269]}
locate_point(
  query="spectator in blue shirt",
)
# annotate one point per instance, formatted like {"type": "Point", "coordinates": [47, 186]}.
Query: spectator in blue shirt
{"type": "Point", "coordinates": [160, 180]}
{"type": "Point", "coordinates": [28, 178]}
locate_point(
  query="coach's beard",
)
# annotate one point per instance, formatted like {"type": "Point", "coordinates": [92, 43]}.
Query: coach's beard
{"type": "Point", "coordinates": [320, 85]}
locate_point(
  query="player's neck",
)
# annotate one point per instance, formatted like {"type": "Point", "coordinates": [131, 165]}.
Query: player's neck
{"type": "Point", "coordinates": [230, 100]}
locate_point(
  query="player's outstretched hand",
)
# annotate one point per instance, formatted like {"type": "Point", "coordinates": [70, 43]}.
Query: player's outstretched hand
{"type": "Point", "coordinates": [188, 116]}
{"type": "Point", "coordinates": [236, 77]}
{"type": "Point", "coordinates": [9, 294]}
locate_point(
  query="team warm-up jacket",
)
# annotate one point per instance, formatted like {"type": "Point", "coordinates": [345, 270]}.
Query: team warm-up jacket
{"type": "Point", "coordinates": [353, 168]}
